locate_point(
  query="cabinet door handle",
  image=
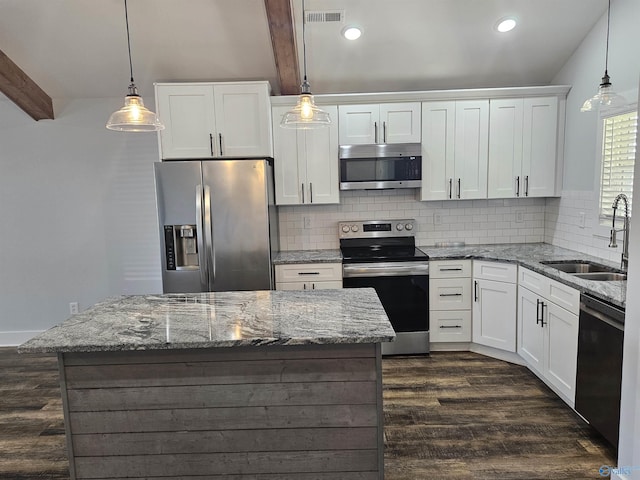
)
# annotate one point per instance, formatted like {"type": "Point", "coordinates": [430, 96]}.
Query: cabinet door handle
{"type": "Point", "coordinates": [384, 132]}
{"type": "Point", "coordinates": [211, 143]}
{"type": "Point", "coordinates": [450, 187]}
{"type": "Point", "coordinates": [518, 186]}
{"type": "Point", "coordinates": [526, 185]}
{"type": "Point", "coordinates": [311, 191]}
{"type": "Point", "coordinates": [313, 286]}
{"type": "Point", "coordinates": [450, 294]}
{"type": "Point", "coordinates": [459, 188]}
{"type": "Point", "coordinates": [475, 291]}
{"type": "Point", "coordinates": [303, 193]}
{"type": "Point", "coordinates": [304, 286]}
{"type": "Point", "coordinates": [375, 131]}
{"type": "Point", "coordinates": [450, 326]}
{"type": "Point", "coordinates": [543, 323]}
{"type": "Point", "coordinates": [220, 139]}
{"type": "Point", "coordinates": [538, 302]}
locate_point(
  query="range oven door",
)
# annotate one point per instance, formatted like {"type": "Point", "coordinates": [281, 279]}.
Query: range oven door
{"type": "Point", "coordinates": [403, 288]}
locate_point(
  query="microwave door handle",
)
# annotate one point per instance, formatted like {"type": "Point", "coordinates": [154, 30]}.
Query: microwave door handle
{"type": "Point", "coordinates": [200, 235]}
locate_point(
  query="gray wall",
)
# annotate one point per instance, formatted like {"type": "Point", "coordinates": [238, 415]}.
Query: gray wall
{"type": "Point", "coordinates": [77, 209]}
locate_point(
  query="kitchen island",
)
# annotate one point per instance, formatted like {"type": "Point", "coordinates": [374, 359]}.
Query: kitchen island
{"type": "Point", "coordinates": [264, 384]}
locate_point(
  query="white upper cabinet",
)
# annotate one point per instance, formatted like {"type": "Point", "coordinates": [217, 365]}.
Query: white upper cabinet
{"type": "Point", "coordinates": [379, 123]}
{"type": "Point", "coordinates": [454, 149]}
{"type": "Point", "coordinates": [211, 120]}
{"type": "Point", "coordinates": [523, 136]}
{"type": "Point", "coordinates": [306, 162]}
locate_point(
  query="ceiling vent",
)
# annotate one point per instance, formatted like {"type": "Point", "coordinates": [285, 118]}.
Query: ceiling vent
{"type": "Point", "coordinates": [328, 16]}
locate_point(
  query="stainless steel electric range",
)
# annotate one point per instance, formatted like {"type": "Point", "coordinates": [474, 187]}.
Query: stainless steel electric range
{"type": "Point", "coordinates": [382, 254]}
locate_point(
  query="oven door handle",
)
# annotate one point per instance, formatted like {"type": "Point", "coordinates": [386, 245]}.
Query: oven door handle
{"type": "Point", "coordinates": [385, 269]}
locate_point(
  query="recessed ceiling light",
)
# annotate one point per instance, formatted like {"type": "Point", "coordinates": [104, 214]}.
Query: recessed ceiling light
{"type": "Point", "coordinates": [352, 33]}
{"type": "Point", "coordinates": [506, 25]}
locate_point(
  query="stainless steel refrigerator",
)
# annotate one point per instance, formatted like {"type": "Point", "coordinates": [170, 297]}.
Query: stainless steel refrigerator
{"type": "Point", "coordinates": [218, 225]}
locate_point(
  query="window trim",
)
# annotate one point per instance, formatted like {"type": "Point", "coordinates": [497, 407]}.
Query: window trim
{"type": "Point", "coordinates": [603, 222]}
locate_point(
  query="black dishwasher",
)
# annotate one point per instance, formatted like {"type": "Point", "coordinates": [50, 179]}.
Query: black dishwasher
{"type": "Point", "coordinates": [599, 369]}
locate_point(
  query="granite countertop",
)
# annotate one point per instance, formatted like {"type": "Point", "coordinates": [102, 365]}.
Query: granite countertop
{"type": "Point", "coordinates": [308, 256]}
{"type": "Point", "coordinates": [530, 255]}
{"type": "Point", "coordinates": [222, 319]}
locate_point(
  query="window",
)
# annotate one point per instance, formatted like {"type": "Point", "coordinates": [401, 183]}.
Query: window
{"type": "Point", "coordinates": [618, 157]}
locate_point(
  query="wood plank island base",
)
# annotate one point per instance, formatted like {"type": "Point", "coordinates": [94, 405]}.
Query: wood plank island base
{"type": "Point", "coordinates": [251, 385]}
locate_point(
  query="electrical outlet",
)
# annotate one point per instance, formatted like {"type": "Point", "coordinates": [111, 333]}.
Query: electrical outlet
{"type": "Point", "coordinates": [519, 216]}
{"type": "Point", "coordinates": [307, 222]}
{"type": "Point", "coordinates": [581, 220]}
{"type": "Point", "coordinates": [73, 308]}
{"type": "Point", "coordinates": [437, 219]}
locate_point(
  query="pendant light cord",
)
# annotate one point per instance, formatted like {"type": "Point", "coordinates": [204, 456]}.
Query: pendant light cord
{"type": "Point", "coordinates": [606, 57]}
{"type": "Point", "coordinates": [304, 42]}
{"type": "Point", "coordinates": [126, 19]}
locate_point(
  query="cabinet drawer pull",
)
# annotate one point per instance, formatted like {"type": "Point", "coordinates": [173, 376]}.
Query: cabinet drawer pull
{"type": "Point", "coordinates": [308, 273]}
{"type": "Point", "coordinates": [450, 326]}
{"type": "Point", "coordinates": [450, 294]}
{"type": "Point", "coordinates": [457, 269]}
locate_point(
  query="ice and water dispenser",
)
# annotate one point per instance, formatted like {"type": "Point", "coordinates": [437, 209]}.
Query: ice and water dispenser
{"type": "Point", "coordinates": [181, 247]}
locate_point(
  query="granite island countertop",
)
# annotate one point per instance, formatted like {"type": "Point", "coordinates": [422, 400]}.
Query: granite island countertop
{"type": "Point", "coordinates": [222, 319]}
{"type": "Point", "coordinates": [307, 256]}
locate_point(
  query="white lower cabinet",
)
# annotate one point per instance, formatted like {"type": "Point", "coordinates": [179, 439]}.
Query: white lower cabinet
{"type": "Point", "coordinates": [308, 276]}
{"type": "Point", "coordinates": [449, 301]}
{"type": "Point", "coordinates": [494, 305]}
{"type": "Point", "coordinates": [548, 331]}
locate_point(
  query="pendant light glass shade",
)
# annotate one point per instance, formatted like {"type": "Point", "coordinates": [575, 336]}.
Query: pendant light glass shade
{"type": "Point", "coordinates": [134, 116]}
{"type": "Point", "coordinates": [605, 97]}
{"type": "Point", "coordinates": [305, 115]}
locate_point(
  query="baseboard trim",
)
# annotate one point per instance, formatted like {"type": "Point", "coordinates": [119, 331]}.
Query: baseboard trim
{"type": "Point", "coordinates": [13, 339]}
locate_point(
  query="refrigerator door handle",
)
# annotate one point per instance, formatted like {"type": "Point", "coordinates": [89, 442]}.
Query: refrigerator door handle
{"type": "Point", "coordinates": [200, 233]}
{"type": "Point", "coordinates": [208, 231]}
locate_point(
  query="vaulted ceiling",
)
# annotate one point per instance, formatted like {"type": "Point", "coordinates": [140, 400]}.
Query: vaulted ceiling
{"type": "Point", "coordinates": [78, 48]}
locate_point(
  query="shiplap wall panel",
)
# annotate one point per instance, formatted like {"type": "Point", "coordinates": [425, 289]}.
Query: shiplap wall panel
{"type": "Point", "coordinates": [302, 413]}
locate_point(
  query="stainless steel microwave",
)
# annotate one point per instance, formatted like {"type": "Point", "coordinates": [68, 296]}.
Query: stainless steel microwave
{"type": "Point", "coordinates": [368, 167]}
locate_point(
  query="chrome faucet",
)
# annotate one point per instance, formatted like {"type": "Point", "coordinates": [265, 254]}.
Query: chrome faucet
{"type": "Point", "coordinates": [612, 238]}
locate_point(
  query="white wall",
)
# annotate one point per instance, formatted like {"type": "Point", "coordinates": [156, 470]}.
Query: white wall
{"type": "Point", "coordinates": [77, 211]}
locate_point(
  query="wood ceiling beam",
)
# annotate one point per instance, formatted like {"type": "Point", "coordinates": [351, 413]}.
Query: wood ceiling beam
{"type": "Point", "coordinates": [283, 42]}
{"type": "Point", "coordinates": [23, 91]}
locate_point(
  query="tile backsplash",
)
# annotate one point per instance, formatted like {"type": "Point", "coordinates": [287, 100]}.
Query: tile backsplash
{"type": "Point", "coordinates": [472, 221]}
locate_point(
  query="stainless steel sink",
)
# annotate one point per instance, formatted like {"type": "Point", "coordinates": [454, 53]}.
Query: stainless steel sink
{"type": "Point", "coordinates": [578, 266]}
{"type": "Point", "coordinates": [587, 270]}
{"type": "Point", "coordinates": [602, 276]}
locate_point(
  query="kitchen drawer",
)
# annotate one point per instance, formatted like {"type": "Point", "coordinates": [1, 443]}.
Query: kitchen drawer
{"type": "Point", "coordinates": [450, 294]}
{"type": "Point", "coordinates": [309, 272]}
{"type": "Point", "coordinates": [449, 268]}
{"type": "Point", "coordinates": [450, 326]}
{"type": "Point", "coordinates": [496, 271]}
{"type": "Point", "coordinates": [309, 285]}
{"type": "Point", "coordinates": [552, 290]}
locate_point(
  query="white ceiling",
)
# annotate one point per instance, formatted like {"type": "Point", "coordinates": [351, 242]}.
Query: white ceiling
{"type": "Point", "coordinates": [77, 48]}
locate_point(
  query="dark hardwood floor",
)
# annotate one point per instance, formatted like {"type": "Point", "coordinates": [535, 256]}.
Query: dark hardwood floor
{"type": "Point", "coordinates": [455, 416]}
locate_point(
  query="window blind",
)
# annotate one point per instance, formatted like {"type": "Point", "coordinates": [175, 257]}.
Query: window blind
{"type": "Point", "coordinates": [618, 158]}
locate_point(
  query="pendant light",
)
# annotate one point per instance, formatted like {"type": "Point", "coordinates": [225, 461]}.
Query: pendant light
{"type": "Point", "coordinates": [134, 116]}
{"type": "Point", "coordinates": [605, 97]}
{"type": "Point", "coordinates": [305, 115]}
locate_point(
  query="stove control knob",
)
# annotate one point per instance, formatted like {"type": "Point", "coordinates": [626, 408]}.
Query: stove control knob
{"type": "Point", "coordinates": [345, 229]}
{"type": "Point", "coordinates": [399, 227]}
{"type": "Point", "coordinates": [354, 228]}
{"type": "Point", "coordinates": [408, 226]}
